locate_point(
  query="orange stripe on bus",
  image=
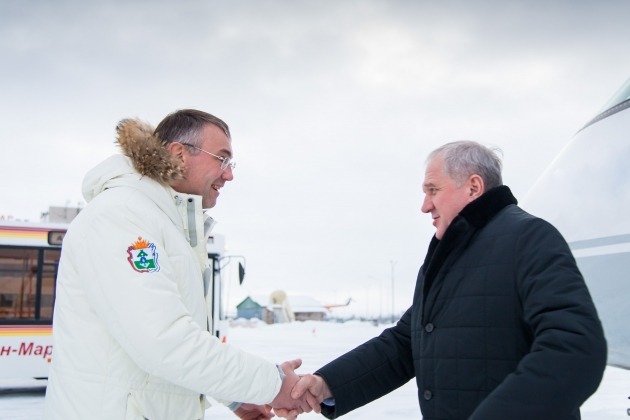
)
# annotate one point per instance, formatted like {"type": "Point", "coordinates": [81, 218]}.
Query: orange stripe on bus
{"type": "Point", "coordinates": [23, 234]}
{"type": "Point", "coordinates": [13, 330]}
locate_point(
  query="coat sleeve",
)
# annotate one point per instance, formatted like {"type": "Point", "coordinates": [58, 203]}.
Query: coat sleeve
{"type": "Point", "coordinates": [146, 316]}
{"type": "Point", "coordinates": [568, 352]}
{"type": "Point", "coordinates": [371, 370]}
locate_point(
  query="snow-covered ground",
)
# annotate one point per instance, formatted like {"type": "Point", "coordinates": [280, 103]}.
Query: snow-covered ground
{"type": "Point", "coordinates": [317, 343]}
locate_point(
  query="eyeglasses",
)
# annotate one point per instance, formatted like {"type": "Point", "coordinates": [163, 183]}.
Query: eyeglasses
{"type": "Point", "coordinates": [225, 161]}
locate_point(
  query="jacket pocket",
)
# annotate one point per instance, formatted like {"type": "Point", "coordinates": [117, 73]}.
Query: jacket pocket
{"type": "Point", "coordinates": [159, 404]}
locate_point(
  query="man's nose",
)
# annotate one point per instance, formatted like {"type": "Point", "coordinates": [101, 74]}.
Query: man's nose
{"type": "Point", "coordinates": [228, 175]}
{"type": "Point", "coordinates": [427, 205]}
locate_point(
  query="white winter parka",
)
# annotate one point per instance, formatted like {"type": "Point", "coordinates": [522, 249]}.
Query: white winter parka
{"type": "Point", "coordinates": [130, 322]}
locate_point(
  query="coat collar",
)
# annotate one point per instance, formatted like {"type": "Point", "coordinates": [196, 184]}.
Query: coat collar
{"type": "Point", "coordinates": [474, 216]}
{"type": "Point", "coordinates": [197, 225]}
{"type": "Point", "coordinates": [479, 212]}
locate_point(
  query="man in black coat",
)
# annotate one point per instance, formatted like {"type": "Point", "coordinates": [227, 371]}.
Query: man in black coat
{"type": "Point", "coordinates": [502, 325]}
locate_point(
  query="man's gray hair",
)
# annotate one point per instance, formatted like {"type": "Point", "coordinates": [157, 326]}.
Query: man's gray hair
{"type": "Point", "coordinates": [465, 158]}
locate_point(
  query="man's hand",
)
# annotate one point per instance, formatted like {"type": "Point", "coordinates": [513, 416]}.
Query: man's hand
{"type": "Point", "coordinates": [254, 412]}
{"type": "Point", "coordinates": [291, 407]}
{"type": "Point", "coordinates": [313, 388]}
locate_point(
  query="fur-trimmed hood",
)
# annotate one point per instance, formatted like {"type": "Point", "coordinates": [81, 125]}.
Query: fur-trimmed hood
{"type": "Point", "coordinates": [143, 154]}
{"type": "Point", "coordinates": [147, 152]}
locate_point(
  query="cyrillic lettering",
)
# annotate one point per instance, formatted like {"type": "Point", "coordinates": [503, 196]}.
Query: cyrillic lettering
{"type": "Point", "coordinates": [25, 350]}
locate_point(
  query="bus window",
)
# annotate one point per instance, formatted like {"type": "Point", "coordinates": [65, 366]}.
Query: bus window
{"type": "Point", "coordinates": [27, 282]}
{"type": "Point", "coordinates": [49, 274]}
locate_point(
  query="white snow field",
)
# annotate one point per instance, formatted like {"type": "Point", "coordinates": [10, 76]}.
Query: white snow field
{"type": "Point", "coordinates": [316, 343]}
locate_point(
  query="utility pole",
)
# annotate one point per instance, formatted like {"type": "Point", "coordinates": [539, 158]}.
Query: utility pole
{"type": "Point", "coordinates": [380, 300]}
{"type": "Point", "coordinates": [393, 263]}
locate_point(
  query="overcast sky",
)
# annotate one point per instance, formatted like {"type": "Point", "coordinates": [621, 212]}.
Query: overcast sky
{"type": "Point", "coordinates": [333, 108]}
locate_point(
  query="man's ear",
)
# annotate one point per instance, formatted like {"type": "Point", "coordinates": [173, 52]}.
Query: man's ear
{"type": "Point", "coordinates": [476, 186]}
{"type": "Point", "coordinates": [177, 150]}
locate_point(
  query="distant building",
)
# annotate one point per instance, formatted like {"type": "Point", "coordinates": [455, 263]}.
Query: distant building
{"type": "Point", "coordinates": [307, 308]}
{"type": "Point", "coordinates": [60, 214]}
{"type": "Point", "coordinates": [273, 310]}
{"type": "Point", "coordinates": [249, 309]}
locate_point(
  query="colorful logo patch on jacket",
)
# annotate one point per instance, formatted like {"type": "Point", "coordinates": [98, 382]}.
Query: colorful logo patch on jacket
{"type": "Point", "coordinates": [143, 257]}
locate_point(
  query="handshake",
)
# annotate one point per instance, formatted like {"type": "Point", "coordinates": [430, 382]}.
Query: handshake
{"type": "Point", "coordinates": [298, 394]}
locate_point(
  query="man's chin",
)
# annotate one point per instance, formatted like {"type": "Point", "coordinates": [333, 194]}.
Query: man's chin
{"type": "Point", "coordinates": [208, 204]}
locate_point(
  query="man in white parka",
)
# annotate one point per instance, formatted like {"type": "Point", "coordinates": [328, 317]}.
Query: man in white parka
{"type": "Point", "coordinates": [130, 325]}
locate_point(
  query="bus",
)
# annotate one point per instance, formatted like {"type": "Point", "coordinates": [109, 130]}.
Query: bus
{"type": "Point", "coordinates": [29, 259]}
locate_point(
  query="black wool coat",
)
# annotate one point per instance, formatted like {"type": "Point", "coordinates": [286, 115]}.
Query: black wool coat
{"type": "Point", "coordinates": [502, 326]}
